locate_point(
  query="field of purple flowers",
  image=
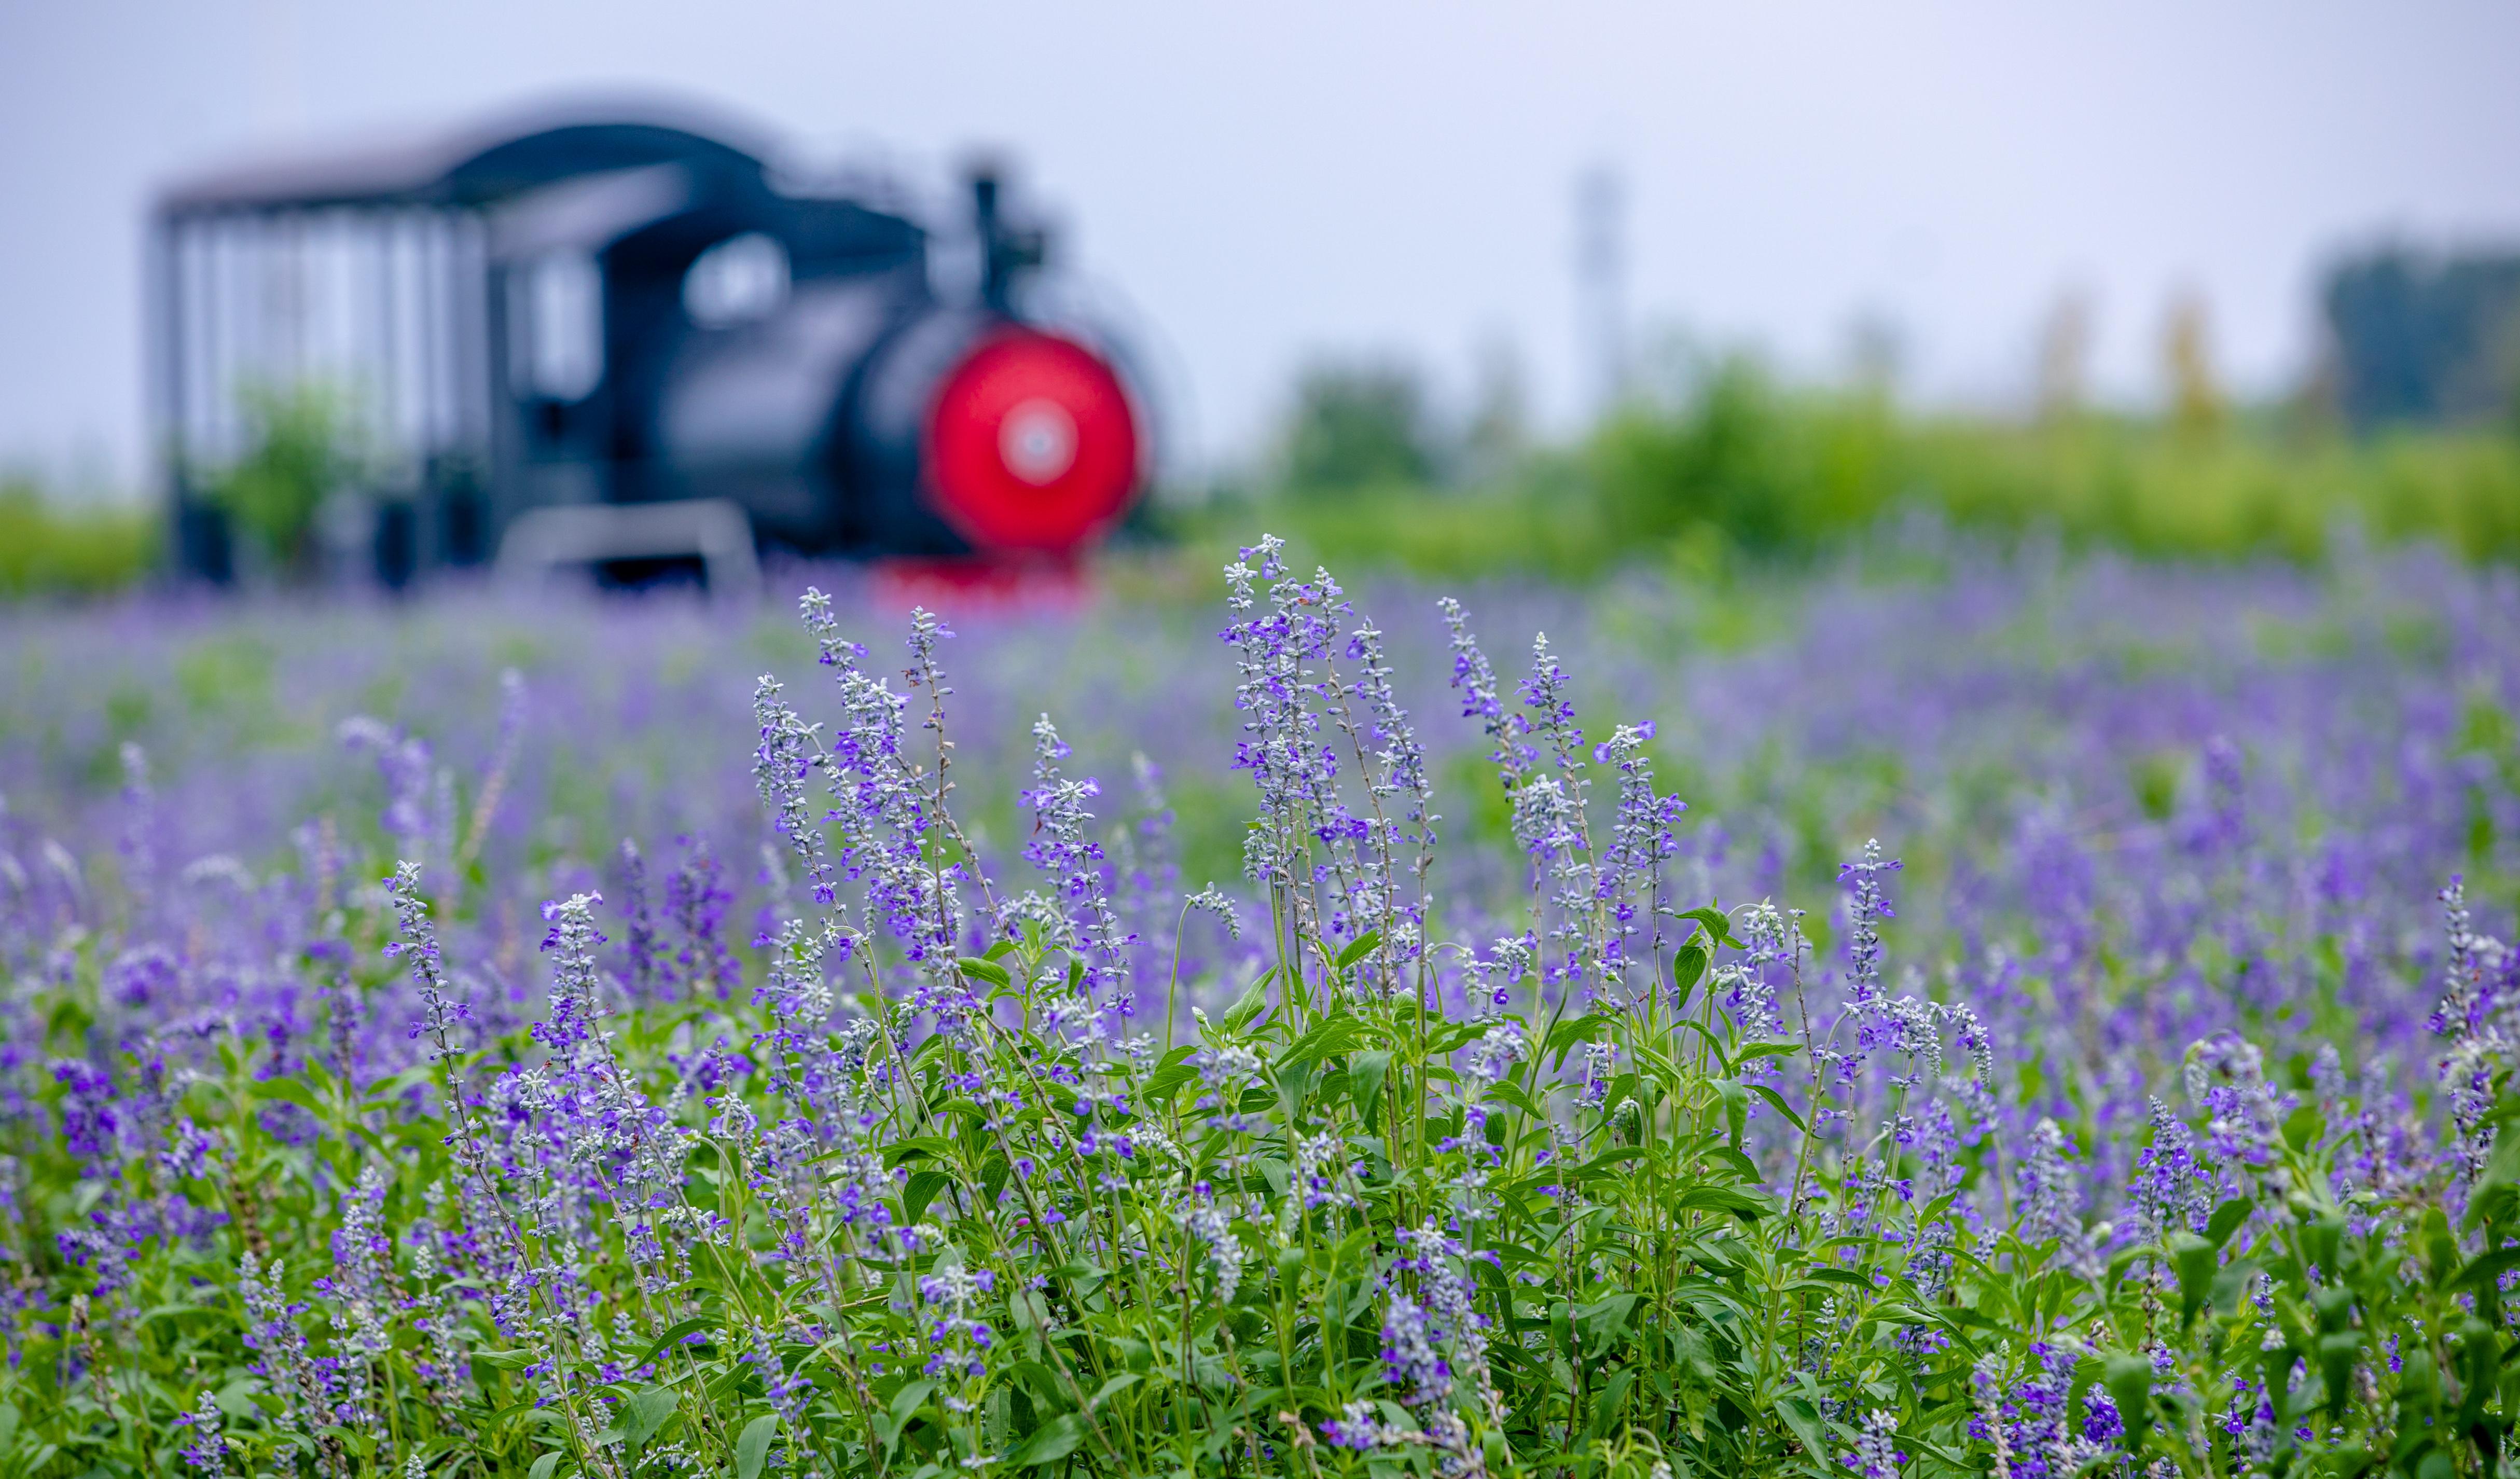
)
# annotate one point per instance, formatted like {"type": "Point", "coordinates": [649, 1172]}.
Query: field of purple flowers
{"type": "Point", "coordinates": [498, 1038]}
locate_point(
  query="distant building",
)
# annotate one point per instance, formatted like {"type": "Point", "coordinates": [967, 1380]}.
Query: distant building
{"type": "Point", "coordinates": [2423, 339]}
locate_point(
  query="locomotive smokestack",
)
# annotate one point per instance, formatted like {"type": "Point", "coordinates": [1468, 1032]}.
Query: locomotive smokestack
{"type": "Point", "coordinates": [1006, 249]}
{"type": "Point", "coordinates": [994, 277]}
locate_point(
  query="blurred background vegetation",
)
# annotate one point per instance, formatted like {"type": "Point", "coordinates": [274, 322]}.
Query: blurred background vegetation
{"type": "Point", "coordinates": [301, 449]}
{"type": "Point", "coordinates": [1743, 466]}
{"type": "Point", "coordinates": [2408, 429]}
{"type": "Point", "coordinates": [53, 545]}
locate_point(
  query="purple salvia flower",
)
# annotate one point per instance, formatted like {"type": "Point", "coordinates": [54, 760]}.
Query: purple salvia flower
{"type": "Point", "coordinates": [404, 763]}
{"type": "Point", "coordinates": [1876, 1454]}
{"type": "Point", "coordinates": [1063, 847]}
{"type": "Point", "coordinates": [494, 777]}
{"type": "Point", "coordinates": [642, 968]}
{"type": "Point", "coordinates": [140, 825]}
{"type": "Point", "coordinates": [696, 901]}
{"type": "Point", "coordinates": [1476, 682]}
{"type": "Point", "coordinates": [203, 1449]}
{"type": "Point", "coordinates": [1864, 943]}
{"type": "Point", "coordinates": [789, 750]}
{"type": "Point", "coordinates": [1410, 1361]}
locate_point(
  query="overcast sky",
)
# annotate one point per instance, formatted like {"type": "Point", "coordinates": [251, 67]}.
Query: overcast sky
{"type": "Point", "coordinates": [1265, 181]}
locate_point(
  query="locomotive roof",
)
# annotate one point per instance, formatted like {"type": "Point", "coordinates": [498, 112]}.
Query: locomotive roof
{"type": "Point", "coordinates": [470, 167]}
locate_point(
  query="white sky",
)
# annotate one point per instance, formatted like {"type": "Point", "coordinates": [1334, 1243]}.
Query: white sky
{"type": "Point", "coordinates": [1262, 181]}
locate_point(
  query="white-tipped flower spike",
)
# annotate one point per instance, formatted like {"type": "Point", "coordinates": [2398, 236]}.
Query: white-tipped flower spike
{"type": "Point", "coordinates": [203, 1449]}
{"type": "Point", "coordinates": [1063, 845]}
{"type": "Point", "coordinates": [1213, 900]}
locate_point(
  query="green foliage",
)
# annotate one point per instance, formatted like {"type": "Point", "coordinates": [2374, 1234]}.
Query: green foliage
{"type": "Point", "coordinates": [1771, 470]}
{"type": "Point", "coordinates": [297, 454]}
{"type": "Point", "coordinates": [2114, 484]}
{"type": "Point", "coordinates": [1447, 534]}
{"type": "Point", "coordinates": [1743, 466]}
{"type": "Point", "coordinates": [1358, 426]}
{"type": "Point", "coordinates": [49, 549]}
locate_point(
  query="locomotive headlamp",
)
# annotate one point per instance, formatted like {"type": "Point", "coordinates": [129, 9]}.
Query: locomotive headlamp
{"type": "Point", "coordinates": [1031, 443]}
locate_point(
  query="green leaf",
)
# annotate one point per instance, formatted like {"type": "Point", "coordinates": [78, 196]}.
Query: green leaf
{"type": "Point", "coordinates": [1039, 1382]}
{"type": "Point", "coordinates": [1160, 1083]}
{"type": "Point", "coordinates": [504, 1361]}
{"type": "Point", "coordinates": [921, 1189]}
{"type": "Point", "coordinates": [1051, 1442]}
{"type": "Point", "coordinates": [386, 1093]}
{"type": "Point", "coordinates": [2323, 1240]}
{"type": "Point", "coordinates": [1359, 948]}
{"type": "Point", "coordinates": [1613, 1397]}
{"type": "Point", "coordinates": [2090, 1370]}
{"type": "Point", "coordinates": [1565, 1035]}
{"type": "Point", "coordinates": [1741, 1204]}
{"type": "Point", "coordinates": [1606, 1320]}
{"type": "Point", "coordinates": [1365, 1073]}
{"type": "Point", "coordinates": [1327, 1038]}
{"type": "Point", "coordinates": [2226, 1221]}
{"type": "Point", "coordinates": [2440, 1249]}
{"type": "Point", "coordinates": [984, 971]}
{"type": "Point", "coordinates": [544, 1465]}
{"type": "Point", "coordinates": [906, 1402]}
{"type": "Point", "coordinates": [673, 1336]}
{"type": "Point", "coordinates": [1776, 1102]}
{"type": "Point", "coordinates": [2230, 1283]}
{"type": "Point", "coordinates": [1803, 1417]}
{"type": "Point", "coordinates": [2303, 1126]}
{"type": "Point", "coordinates": [2130, 1382]}
{"type": "Point", "coordinates": [2487, 1269]}
{"type": "Point", "coordinates": [529, 1411]}
{"type": "Point", "coordinates": [1110, 1389]}
{"type": "Point", "coordinates": [2193, 1259]}
{"type": "Point", "coordinates": [642, 1412]}
{"type": "Point", "coordinates": [1737, 1107]}
{"type": "Point", "coordinates": [1688, 967]}
{"type": "Point", "coordinates": [1242, 1013]}
{"type": "Point", "coordinates": [1504, 1090]}
{"type": "Point", "coordinates": [752, 1448]}
{"type": "Point", "coordinates": [295, 1093]}
{"type": "Point", "coordinates": [1719, 924]}
{"type": "Point", "coordinates": [2491, 1203]}
{"type": "Point", "coordinates": [2338, 1355]}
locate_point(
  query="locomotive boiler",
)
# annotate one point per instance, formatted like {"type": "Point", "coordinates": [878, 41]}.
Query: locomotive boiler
{"type": "Point", "coordinates": [623, 342]}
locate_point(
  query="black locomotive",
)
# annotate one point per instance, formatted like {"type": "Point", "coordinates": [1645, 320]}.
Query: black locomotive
{"type": "Point", "coordinates": [611, 340]}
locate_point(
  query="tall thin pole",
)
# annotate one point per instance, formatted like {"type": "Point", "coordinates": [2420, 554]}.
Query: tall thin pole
{"type": "Point", "coordinates": [1600, 286]}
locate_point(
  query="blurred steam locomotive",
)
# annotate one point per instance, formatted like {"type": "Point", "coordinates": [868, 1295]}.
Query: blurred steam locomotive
{"type": "Point", "coordinates": [629, 344]}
